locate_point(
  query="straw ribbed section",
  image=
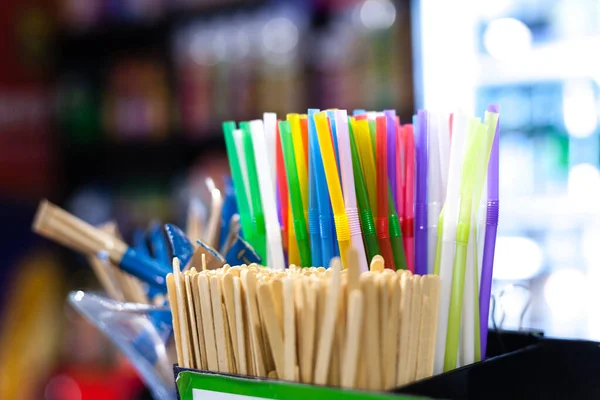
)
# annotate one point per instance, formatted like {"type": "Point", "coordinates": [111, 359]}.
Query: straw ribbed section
{"type": "Point", "coordinates": [493, 212]}
{"type": "Point", "coordinates": [353, 221]}
{"type": "Point", "coordinates": [313, 221]}
{"type": "Point", "coordinates": [367, 220]}
{"type": "Point", "coordinates": [342, 227]}
{"type": "Point", "coordinates": [383, 228]}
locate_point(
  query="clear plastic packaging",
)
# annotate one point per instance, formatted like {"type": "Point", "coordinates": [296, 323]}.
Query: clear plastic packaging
{"type": "Point", "coordinates": [132, 328]}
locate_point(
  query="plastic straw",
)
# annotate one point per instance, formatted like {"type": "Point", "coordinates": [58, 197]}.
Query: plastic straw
{"type": "Point", "coordinates": [392, 155]}
{"type": "Point", "coordinates": [258, 217]}
{"type": "Point", "coordinates": [238, 137]}
{"type": "Point", "coordinates": [349, 190]}
{"type": "Point", "coordinates": [366, 215]}
{"type": "Point", "coordinates": [334, 138]}
{"type": "Point", "coordinates": [448, 224]}
{"type": "Point", "coordinates": [365, 148]}
{"type": "Point", "coordinates": [238, 181]}
{"type": "Point", "coordinates": [491, 229]}
{"type": "Point", "coordinates": [299, 222]}
{"type": "Point", "coordinates": [283, 189]}
{"type": "Point", "coordinates": [300, 154]}
{"type": "Point", "coordinates": [323, 203]}
{"type": "Point", "coordinates": [274, 246]}
{"type": "Point", "coordinates": [408, 222]}
{"type": "Point", "coordinates": [400, 173]}
{"type": "Point", "coordinates": [443, 131]}
{"type": "Point", "coordinates": [382, 221]}
{"type": "Point", "coordinates": [333, 182]}
{"type": "Point", "coordinates": [421, 194]}
{"type": "Point", "coordinates": [474, 139]}
{"type": "Point", "coordinates": [435, 195]}
{"type": "Point", "coordinates": [270, 127]}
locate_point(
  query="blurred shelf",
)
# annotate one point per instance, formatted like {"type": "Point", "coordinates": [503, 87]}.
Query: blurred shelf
{"type": "Point", "coordinates": [119, 36]}
{"type": "Point", "coordinates": [112, 160]}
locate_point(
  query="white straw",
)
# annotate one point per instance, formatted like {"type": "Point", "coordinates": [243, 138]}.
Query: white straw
{"type": "Point", "coordinates": [434, 188]}
{"type": "Point", "coordinates": [274, 246]}
{"type": "Point", "coordinates": [270, 123]}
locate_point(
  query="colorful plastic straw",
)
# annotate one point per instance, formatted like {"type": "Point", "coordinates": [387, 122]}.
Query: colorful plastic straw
{"type": "Point", "coordinates": [366, 150]}
{"type": "Point", "coordinates": [382, 221]}
{"type": "Point", "coordinates": [300, 154]}
{"type": "Point", "coordinates": [334, 138]}
{"type": "Point", "coordinates": [447, 223]}
{"type": "Point", "coordinates": [299, 222]}
{"type": "Point", "coordinates": [474, 140]}
{"type": "Point", "coordinates": [470, 332]}
{"type": "Point", "coordinates": [491, 229]}
{"type": "Point", "coordinates": [283, 189]}
{"type": "Point", "coordinates": [392, 155]}
{"type": "Point", "coordinates": [435, 195]}
{"type": "Point", "coordinates": [238, 137]}
{"type": "Point", "coordinates": [349, 190]}
{"type": "Point", "coordinates": [400, 174]}
{"type": "Point", "coordinates": [304, 132]}
{"type": "Point", "coordinates": [333, 182]}
{"type": "Point", "coordinates": [362, 196]}
{"type": "Point", "coordinates": [274, 246]}
{"type": "Point", "coordinates": [270, 127]}
{"type": "Point", "coordinates": [258, 217]}
{"type": "Point", "coordinates": [421, 194]}
{"type": "Point", "coordinates": [408, 222]}
{"type": "Point", "coordinates": [238, 181]}
{"type": "Point", "coordinates": [323, 203]}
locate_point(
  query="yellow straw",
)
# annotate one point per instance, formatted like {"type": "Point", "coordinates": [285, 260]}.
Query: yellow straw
{"type": "Point", "coordinates": [365, 149]}
{"type": "Point", "coordinates": [333, 183]}
{"type": "Point", "coordinates": [299, 151]}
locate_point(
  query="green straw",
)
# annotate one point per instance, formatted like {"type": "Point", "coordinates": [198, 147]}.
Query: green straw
{"type": "Point", "coordinates": [258, 216]}
{"type": "Point", "coordinates": [293, 182]}
{"type": "Point", "coordinates": [395, 233]}
{"type": "Point", "coordinates": [238, 182]}
{"type": "Point", "coordinates": [474, 138]}
{"type": "Point", "coordinates": [366, 216]}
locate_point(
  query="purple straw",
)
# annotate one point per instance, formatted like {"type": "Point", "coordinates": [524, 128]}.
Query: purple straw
{"type": "Point", "coordinates": [391, 153]}
{"type": "Point", "coordinates": [491, 229]}
{"type": "Point", "coordinates": [421, 195]}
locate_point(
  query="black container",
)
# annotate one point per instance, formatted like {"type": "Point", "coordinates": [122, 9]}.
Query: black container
{"type": "Point", "coordinates": [543, 369]}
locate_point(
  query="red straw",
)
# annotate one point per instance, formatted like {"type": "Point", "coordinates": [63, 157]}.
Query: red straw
{"type": "Point", "coordinates": [408, 228]}
{"type": "Point", "coordinates": [304, 131]}
{"type": "Point", "coordinates": [283, 188]}
{"type": "Point", "coordinates": [382, 222]}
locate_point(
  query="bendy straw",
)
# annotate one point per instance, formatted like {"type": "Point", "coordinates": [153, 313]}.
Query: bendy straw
{"type": "Point", "coordinates": [366, 150]}
{"type": "Point", "coordinates": [421, 193]}
{"type": "Point", "coordinates": [448, 237]}
{"type": "Point", "coordinates": [366, 214]}
{"type": "Point", "coordinates": [333, 182]}
{"type": "Point", "coordinates": [349, 189]}
{"type": "Point", "coordinates": [474, 139]}
{"type": "Point", "coordinates": [323, 203]}
{"type": "Point", "coordinates": [483, 157]}
{"type": "Point", "coordinates": [300, 151]}
{"type": "Point", "coordinates": [491, 229]}
{"type": "Point", "coordinates": [270, 128]}
{"type": "Point", "coordinates": [283, 191]}
{"type": "Point", "coordinates": [57, 224]}
{"type": "Point", "coordinates": [408, 222]}
{"type": "Point", "coordinates": [274, 246]}
{"type": "Point", "coordinates": [299, 223]}
{"type": "Point", "coordinates": [258, 217]}
{"type": "Point", "coordinates": [392, 155]}
{"type": "Point", "coordinates": [382, 222]}
{"type": "Point", "coordinates": [238, 181]}
{"type": "Point", "coordinates": [334, 138]}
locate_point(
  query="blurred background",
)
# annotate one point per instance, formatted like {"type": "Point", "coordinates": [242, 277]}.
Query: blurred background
{"type": "Point", "coordinates": [112, 109]}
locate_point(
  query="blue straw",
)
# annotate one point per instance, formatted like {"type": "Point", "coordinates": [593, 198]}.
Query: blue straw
{"type": "Point", "coordinates": [323, 202]}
